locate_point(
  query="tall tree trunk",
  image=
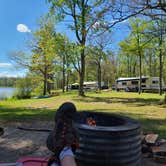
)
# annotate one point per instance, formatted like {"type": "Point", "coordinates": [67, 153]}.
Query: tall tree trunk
{"type": "Point", "coordinates": [160, 63]}
{"type": "Point", "coordinates": [134, 69]}
{"type": "Point", "coordinates": [99, 74]}
{"type": "Point", "coordinates": [67, 81]}
{"type": "Point", "coordinates": [140, 72]}
{"type": "Point", "coordinates": [82, 43]}
{"type": "Point", "coordinates": [63, 79]}
{"type": "Point", "coordinates": [82, 73]}
{"type": "Point", "coordinates": [45, 82]}
{"type": "Point", "coordinates": [67, 75]}
{"type": "Point", "coordinates": [49, 84]}
{"type": "Point", "coordinates": [160, 75]}
{"type": "Point", "coordinates": [128, 67]}
{"type": "Point", "coordinates": [150, 65]}
{"type": "Point", "coordinates": [48, 87]}
{"type": "Point", "coordinates": [140, 63]}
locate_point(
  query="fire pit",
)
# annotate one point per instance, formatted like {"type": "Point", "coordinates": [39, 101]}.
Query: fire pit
{"type": "Point", "coordinates": [108, 140]}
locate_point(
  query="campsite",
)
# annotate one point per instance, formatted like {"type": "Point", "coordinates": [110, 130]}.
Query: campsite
{"type": "Point", "coordinates": [82, 83]}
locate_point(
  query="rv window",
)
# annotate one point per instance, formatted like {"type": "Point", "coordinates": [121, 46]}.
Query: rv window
{"type": "Point", "coordinates": [155, 82]}
{"type": "Point", "coordinates": [134, 82]}
{"type": "Point", "coordinates": [143, 86]}
{"type": "Point", "coordinates": [124, 83]}
{"type": "Point", "coordinates": [143, 81]}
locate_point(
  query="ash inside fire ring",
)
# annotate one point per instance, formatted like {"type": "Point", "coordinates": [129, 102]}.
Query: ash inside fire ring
{"type": "Point", "coordinates": [1, 131]}
{"type": "Point", "coordinates": [106, 121]}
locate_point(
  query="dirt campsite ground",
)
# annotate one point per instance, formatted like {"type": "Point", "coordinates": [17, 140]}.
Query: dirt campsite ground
{"type": "Point", "coordinates": [16, 143]}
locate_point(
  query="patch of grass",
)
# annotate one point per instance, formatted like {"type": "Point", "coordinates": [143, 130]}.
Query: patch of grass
{"type": "Point", "coordinates": [144, 107]}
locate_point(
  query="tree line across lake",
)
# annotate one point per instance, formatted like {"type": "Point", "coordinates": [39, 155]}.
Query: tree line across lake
{"type": "Point", "coordinates": [7, 81]}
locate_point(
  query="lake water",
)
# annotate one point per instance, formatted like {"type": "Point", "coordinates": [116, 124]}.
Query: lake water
{"type": "Point", "coordinates": [6, 92]}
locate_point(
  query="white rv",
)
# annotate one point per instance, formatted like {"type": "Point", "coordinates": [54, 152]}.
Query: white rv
{"type": "Point", "coordinates": [90, 85]}
{"type": "Point", "coordinates": [132, 84]}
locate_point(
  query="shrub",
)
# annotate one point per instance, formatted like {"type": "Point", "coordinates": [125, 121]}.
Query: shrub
{"type": "Point", "coordinates": [24, 88]}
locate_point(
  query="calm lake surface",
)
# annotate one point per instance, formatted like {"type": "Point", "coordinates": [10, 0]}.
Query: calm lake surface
{"type": "Point", "coordinates": [6, 92]}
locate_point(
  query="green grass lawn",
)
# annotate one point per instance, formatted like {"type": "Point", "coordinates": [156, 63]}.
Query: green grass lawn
{"type": "Point", "coordinates": [144, 107]}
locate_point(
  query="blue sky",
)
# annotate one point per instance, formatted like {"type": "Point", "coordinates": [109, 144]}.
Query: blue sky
{"type": "Point", "coordinates": [18, 18]}
{"type": "Point", "coordinates": [13, 13]}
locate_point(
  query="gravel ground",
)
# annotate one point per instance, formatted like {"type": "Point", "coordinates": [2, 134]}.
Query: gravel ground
{"type": "Point", "coordinates": [16, 143]}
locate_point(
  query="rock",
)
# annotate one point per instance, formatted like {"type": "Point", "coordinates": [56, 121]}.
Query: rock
{"type": "Point", "coordinates": [162, 142]}
{"type": "Point", "coordinates": [159, 153]}
{"type": "Point", "coordinates": [158, 149]}
{"type": "Point", "coordinates": [146, 148]}
{"type": "Point", "coordinates": [151, 138]}
{"type": "Point", "coordinates": [160, 156]}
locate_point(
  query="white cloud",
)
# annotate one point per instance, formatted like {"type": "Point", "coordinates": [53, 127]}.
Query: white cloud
{"type": "Point", "coordinates": [5, 64]}
{"type": "Point", "coordinates": [23, 28]}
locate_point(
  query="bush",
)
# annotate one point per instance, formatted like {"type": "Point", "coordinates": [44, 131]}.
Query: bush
{"type": "Point", "coordinates": [37, 89]}
{"type": "Point", "coordinates": [24, 88]}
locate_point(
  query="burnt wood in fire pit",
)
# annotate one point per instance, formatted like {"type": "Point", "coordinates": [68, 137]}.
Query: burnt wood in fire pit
{"type": "Point", "coordinates": [115, 140]}
{"type": "Point", "coordinates": [1, 131]}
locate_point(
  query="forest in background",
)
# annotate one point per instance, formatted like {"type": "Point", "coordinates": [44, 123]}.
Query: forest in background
{"type": "Point", "coordinates": [54, 61]}
{"type": "Point", "coordinates": [7, 81]}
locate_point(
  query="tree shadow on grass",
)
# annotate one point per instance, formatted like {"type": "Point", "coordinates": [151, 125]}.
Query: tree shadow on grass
{"type": "Point", "coordinates": [108, 100]}
{"type": "Point", "coordinates": [154, 126]}
{"type": "Point", "coordinates": [10, 153]}
{"type": "Point", "coordinates": [27, 114]}
{"type": "Point", "coordinates": [24, 114]}
{"type": "Point", "coordinates": [148, 125]}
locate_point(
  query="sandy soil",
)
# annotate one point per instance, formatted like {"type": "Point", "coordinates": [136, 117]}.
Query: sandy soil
{"type": "Point", "coordinates": [16, 143]}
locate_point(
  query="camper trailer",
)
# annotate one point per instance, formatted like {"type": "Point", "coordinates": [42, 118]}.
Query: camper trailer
{"type": "Point", "coordinates": [88, 86]}
{"type": "Point", "coordinates": [149, 84]}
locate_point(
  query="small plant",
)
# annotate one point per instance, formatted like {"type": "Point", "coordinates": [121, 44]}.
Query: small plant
{"type": "Point", "coordinates": [24, 88]}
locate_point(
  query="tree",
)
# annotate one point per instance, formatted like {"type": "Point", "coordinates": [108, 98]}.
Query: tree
{"type": "Point", "coordinates": [99, 44]}
{"type": "Point", "coordinates": [137, 42]}
{"type": "Point", "coordinates": [98, 55]}
{"type": "Point", "coordinates": [43, 52]}
{"type": "Point", "coordinates": [7, 81]}
{"type": "Point", "coordinates": [151, 60]}
{"type": "Point", "coordinates": [65, 51]}
{"type": "Point", "coordinates": [91, 69]}
{"type": "Point", "coordinates": [159, 33]}
{"type": "Point", "coordinates": [109, 68]}
{"type": "Point", "coordinates": [127, 61]}
{"type": "Point", "coordinates": [61, 53]}
{"type": "Point", "coordinates": [87, 14]}
{"type": "Point", "coordinates": [152, 9]}
{"type": "Point", "coordinates": [24, 87]}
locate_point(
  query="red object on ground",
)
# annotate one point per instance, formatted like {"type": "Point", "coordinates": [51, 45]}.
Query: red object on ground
{"type": "Point", "coordinates": [91, 122]}
{"type": "Point", "coordinates": [33, 161]}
